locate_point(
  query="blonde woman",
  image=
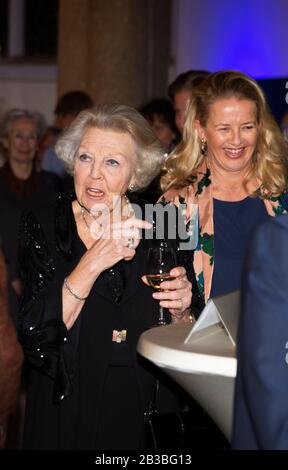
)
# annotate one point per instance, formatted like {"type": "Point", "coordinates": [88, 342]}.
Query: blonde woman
{"type": "Point", "coordinates": [232, 162]}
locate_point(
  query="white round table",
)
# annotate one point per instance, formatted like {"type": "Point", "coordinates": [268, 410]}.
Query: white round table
{"type": "Point", "coordinates": [205, 366]}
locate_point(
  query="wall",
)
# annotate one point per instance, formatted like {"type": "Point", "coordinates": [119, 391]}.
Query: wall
{"type": "Point", "coordinates": [28, 86]}
{"type": "Point", "coordinates": [116, 50]}
{"type": "Point", "coordinates": [119, 49]}
{"type": "Point", "coordinates": [248, 35]}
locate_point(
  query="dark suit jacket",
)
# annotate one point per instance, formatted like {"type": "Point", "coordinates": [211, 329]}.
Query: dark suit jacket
{"type": "Point", "coordinates": [261, 397]}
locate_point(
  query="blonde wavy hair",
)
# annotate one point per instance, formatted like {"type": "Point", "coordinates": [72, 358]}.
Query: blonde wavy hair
{"type": "Point", "coordinates": [270, 160]}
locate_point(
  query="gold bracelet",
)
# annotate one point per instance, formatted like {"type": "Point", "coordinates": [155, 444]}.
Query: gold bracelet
{"type": "Point", "coordinates": [76, 296]}
{"type": "Point", "coordinates": [191, 317]}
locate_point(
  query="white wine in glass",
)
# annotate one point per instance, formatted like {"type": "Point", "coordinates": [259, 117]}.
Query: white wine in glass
{"type": "Point", "coordinates": [160, 260]}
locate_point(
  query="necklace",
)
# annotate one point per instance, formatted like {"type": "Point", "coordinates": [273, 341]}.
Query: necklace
{"type": "Point", "coordinates": [83, 209]}
{"type": "Point", "coordinates": [84, 219]}
{"type": "Point", "coordinates": [96, 228]}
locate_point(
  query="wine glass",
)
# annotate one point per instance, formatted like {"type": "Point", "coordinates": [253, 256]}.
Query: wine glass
{"type": "Point", "coordinates": [160, 260]}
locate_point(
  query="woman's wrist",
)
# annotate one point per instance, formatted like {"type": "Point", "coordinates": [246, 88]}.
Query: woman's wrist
{"type": "Point", "coordinates": [72, 291]}
{"type": "Point", "coordinates": [80, 282]}
{"type": "Point", "coordinates": [186, 317]}
{"type": "Point", "coordinates": [74, 297]}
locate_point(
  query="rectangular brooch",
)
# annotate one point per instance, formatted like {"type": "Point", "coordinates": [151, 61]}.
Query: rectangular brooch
{"type": "Point", "coordinates": [118, 336]}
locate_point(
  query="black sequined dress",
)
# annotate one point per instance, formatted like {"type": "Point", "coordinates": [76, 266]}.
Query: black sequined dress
{"type": "Point", "coordinates": [85, 391]}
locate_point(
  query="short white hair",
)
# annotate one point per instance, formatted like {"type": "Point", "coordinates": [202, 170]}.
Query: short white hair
{"type": "Point", "coordinates": [18, 113]}
{"type": "Point", "coordinates": [119, 118]}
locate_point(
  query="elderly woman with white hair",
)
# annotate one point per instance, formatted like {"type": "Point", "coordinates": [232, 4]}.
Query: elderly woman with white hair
{"type": "Point", "coordinates": [21, 185]}
{"type": "Point", "coordinates": [85, 304]}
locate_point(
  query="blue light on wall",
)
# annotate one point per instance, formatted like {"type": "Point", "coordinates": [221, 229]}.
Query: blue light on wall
{"type": "Point", "coordinates": [248, 35]}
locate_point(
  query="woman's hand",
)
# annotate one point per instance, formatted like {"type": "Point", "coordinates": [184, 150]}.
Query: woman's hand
{"type": "Point", "coordinates": [118, 241]}
{"type": "Point", "coordinates": [176, 295]}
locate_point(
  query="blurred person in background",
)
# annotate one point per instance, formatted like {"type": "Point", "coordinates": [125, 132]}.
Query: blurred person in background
{"type": "Point", "coordinates": [180, 90]}
{"type": "Point", "coordinates": [68, 107]}
{"type": "Point", "coordinates": [2, 155]}
{"type": "Point", "coordinates": [260, 401]}
{"type": "Point", "coordinates": [21, 185]}
{"type": "Point", "coordinates": [161, 117]}
{"type": "Point", "coordinates": [11, 357]}
{"type": "Point", "coordinates": [284, 126]}
{"type": "Point", "coordinates": [48, 140]}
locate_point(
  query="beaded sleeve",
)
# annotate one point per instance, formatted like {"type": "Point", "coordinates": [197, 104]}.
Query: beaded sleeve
{"type": "Point", "coordinates": [42, 332]}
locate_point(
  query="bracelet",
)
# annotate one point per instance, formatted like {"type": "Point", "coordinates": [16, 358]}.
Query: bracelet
{"type": "Point", "coordinates": [76, 296]}
{"type": "Point", "coordinates": [192, 319]}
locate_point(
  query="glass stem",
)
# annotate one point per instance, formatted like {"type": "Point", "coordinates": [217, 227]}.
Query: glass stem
{"type": "Point", "coordinates": [161, 320]}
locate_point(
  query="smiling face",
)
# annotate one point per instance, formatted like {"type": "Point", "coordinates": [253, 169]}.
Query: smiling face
{"type": "Point", "coordinates": [21, 141]}
{"type": "Point", "coordinates": [104, 166]}
{"type": "Point", "coordinates": [231, 134]}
